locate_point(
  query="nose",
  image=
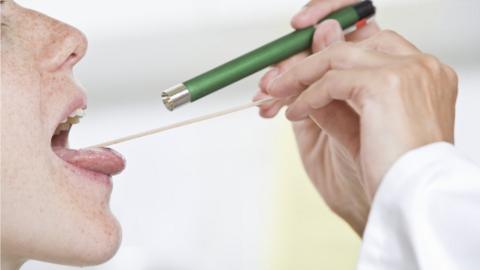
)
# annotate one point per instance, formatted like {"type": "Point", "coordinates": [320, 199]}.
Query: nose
{"type": "Point", "coordinates": [64, 47]}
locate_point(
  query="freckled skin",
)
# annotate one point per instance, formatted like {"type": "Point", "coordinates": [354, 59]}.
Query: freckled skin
{"type": "Point", "coordinates": [48, 211]}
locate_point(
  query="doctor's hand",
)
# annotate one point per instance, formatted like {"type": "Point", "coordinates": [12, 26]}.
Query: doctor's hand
{"type": "Point", "coordinates": [330, 167]}
{"type": "Point", "coordinates": [371, 102]}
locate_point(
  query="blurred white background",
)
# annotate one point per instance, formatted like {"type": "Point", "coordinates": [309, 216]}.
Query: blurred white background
{"type": "Point", "coordinates": [218, 195]}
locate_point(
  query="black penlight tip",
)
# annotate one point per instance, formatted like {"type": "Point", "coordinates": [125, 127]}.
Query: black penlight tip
{"type": "Point", "coordinates": [365, 9]}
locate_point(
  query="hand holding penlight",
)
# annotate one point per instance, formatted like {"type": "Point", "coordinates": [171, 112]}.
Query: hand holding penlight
{"type": "Point", "coordinates": [256, 60]}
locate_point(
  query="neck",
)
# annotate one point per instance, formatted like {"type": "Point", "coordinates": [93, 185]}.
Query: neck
{"type": "Point", "coordinates": [9, 263]}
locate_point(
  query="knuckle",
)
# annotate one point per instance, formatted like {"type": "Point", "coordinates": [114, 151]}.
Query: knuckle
{"type": "Point", "coordinates": [339, 47]}
{"type": "Point", "coordinates": [436, 71]}
{"type": "Point", "coordinates": [429, 62]}
{"type": "Point", "coordinates": [391, 42]}
{"type": "Point", "coordinates": [387, 84]}
{"type": "Point", "coordinates": [298, 80]}
{"type": "Point", "coordinates": [451, 74]}
{"type": "Point", "coordinates": [392, 79]}
{"type": "Point", "coordinates": [327, 81]}
{"type": "Point", "coordinates": [343, 54]}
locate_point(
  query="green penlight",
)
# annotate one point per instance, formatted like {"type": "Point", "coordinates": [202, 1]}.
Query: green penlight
{"type": "Point", "coordinates": [256, 60]}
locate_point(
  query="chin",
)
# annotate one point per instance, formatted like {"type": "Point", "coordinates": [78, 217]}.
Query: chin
{"type": "Point", "coordinates": [97, 245]}
{"type": "Point", "coordinates": [107, 245]}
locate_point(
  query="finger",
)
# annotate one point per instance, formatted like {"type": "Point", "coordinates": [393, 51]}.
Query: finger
{"type": "Point", "coordinates": [268, 77]}
{"type": "Point", "coordinates": [338, 56]}
{"type": "Point", "coordinates": [390, 42]}
{"type": "Point", "coordinates": [367, 31]}
{"type": "Point", "coordinates": [316, 10]}
{"type": "Point", "coordinates": [270, 109]}
{"type": "Point", "coordinates": [292, 61]}
{"type": "Point", "coordinates": [270, 112]}
{"type": "Point", "coordinates": [261, 94]}
{"type": "Point", "coordinates": [279, 68]}
{"type": "Point", "coordinates": [327, 33]}
{"type": "Point", "coordinates": [345, 85]}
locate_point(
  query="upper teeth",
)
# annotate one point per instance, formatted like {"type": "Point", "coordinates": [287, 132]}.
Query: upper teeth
{"type": "Point", "coordinates": [72, 119]}
{"type": "Point", "coordinates": [78, 112]}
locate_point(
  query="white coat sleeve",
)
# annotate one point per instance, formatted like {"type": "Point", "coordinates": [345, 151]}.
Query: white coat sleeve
{"type": "Point", "coordinates": [425, 214]}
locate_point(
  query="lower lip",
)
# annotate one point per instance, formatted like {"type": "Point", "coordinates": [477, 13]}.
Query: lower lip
{"type": "Point", "coordinates": [91, 175]}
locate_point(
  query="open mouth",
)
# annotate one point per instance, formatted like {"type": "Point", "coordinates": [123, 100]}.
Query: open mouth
{"type": "Point", "coordinates": [98, 160]}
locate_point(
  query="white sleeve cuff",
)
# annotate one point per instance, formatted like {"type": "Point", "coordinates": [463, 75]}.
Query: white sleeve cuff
{"type": "Point", "coordinates": [408, 168]}
{"type": "Point", "coordinates": [427, 194]}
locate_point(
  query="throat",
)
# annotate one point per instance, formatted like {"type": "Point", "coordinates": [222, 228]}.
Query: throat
{"type": "Point", "coordinates": [60, 140]}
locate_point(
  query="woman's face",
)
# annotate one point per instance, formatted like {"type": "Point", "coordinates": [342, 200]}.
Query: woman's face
{"type": "Point", "coordinates": [54, 199]}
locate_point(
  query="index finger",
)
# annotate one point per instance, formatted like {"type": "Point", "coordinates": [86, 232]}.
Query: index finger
{"type": "Point", "coordinates": [339, 56]}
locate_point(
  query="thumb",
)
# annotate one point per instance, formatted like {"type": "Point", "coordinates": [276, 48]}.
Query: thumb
{"type": "Point", "coordinates": [327, 33]}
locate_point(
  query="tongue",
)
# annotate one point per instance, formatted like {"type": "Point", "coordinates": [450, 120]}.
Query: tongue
{"type": "Point", "coordinates": [101, 160]}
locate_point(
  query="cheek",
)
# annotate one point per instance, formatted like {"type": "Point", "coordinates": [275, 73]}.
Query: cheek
{"type": "Point", "coordinates": [21, 100]}
{"type": "Point", "coordinates": [24, 149]}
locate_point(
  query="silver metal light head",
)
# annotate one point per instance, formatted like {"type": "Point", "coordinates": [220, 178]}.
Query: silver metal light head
{"type": "Point", "coordinates": [176, 96]}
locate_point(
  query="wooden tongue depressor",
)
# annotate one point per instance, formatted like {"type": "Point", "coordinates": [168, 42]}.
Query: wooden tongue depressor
{"type": "Point", "coordinates": [184, 123]}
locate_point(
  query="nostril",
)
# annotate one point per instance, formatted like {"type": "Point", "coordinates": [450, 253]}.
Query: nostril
{"type": "Point", "coordinates": [68, 61]}
{"type": "Point", "coordinates": [64, 49]}
{"type": "Point", "coordinates": [73, 58]}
